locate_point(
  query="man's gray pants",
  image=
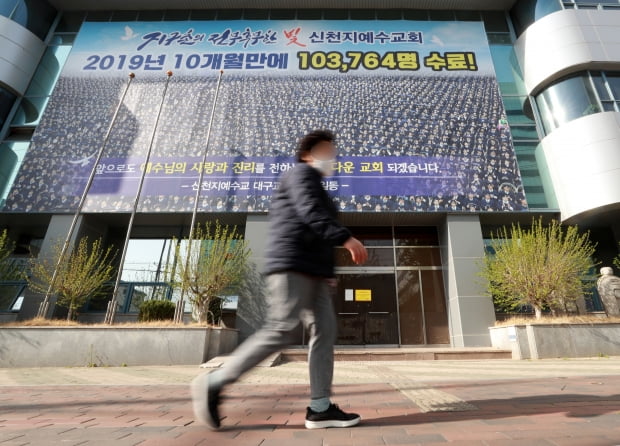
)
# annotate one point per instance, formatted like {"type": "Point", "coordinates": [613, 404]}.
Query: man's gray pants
{"type": "Point", "coordinates": [292, 298]}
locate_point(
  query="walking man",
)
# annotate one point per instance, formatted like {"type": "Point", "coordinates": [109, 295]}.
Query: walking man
{"type": "Point", "coordinates": [300, 274]}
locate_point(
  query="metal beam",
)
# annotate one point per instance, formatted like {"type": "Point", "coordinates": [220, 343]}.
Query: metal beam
{"type": "Point", "coordinates": [118, 5]}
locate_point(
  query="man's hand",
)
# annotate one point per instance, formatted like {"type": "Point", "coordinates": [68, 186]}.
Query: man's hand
{"type": "Point", "coordinates": [357, 250]}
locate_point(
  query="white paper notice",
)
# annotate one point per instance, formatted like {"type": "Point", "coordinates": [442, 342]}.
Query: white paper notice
{"type": "Point", "coordinates": [348, 295]}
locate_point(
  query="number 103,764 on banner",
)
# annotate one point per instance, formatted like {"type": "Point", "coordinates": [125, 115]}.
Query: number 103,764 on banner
{"type": "Point", "coordinates": [393, 60]}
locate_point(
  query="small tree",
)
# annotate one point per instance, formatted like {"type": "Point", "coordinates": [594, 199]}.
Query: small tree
{"type": "Point", "coordinates": [10, 269]}
{"type": "Point", "coordinates": [217, 263]}
{"type": "Point", "coordinates": [541, 267]}
{"type": "Point", "coordinates": [80, 275]}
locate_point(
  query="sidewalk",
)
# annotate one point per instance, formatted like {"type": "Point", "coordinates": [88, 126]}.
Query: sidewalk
{"type": "Point", "coordinates": [459, 403]}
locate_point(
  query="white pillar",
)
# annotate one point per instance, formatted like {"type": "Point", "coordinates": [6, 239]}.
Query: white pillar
{"type": "Point", "coordinates": [470, 310]}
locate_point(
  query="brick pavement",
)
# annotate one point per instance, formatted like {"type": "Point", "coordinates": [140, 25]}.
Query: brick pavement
{"type": "Point", "coordinates": [549, 411]}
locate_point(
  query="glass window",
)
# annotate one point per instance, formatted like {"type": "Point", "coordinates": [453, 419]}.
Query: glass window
{"type": "Point", "coordinates": [103, 16]}
{"type": "Point", "coordinates": [495, 22]}
{"type": "Point", "coordinates": [389, 14]}
{"type": "Point", "coordinates": [176, 14]}
{"type": "Point", "coordinates": [9, 293]}
{"type": "Point", "coordinates": [415, 246]}
{"type": "Point", "coordinates": [336, 14]}
{"type": "Point", "coordinates": [33, 104]}
{"type": "Point", "coordinates": [148, 260]}
{"type": "Point", "coordinates": [282, 14]}
{"type": "Point", "coordinates": [526, 12]}
{"type": "Point", "coordinates": [124, 16]}
{"type": "Point", "coordinates": [591, 2]}
{"type": "Point", "coordinates": [530, 173]}
{"type": "Point", "coordinates": [70, 22]}
{"type": "Point", "coordinates": [142, 293]}
{"type": "Point", "coordinates": [506, 67]}
{"type": "Point", "coordinates": [309, 14]}
{"type": "Point", "coordinates": [62, 39]}
{"type": "Point", "coordinates": [363, 14]}
{"type": "Point", "coordinates": [150, 16]}
{"type": "Point", "coordinates": [122, 295]}
{"type": "Point", "coordinates": [441, 15]}
{"type": "Point", "coordinates": [203, 14]}
{"type": "Point", "coordinates": [601, 88]}
{"type": "Point", "coordinates": [514, 110]}
{"type": "Point", "coordinates": [7, 99]}
{"type": "Point", "coordinates": [229, 14]}
{"type": "Point", "coordinates": [413, 14]}
{"type": "Point", "coordinates": [614, 85]}
{"type": "Point", "coordinates": [609, 106]}
{"type": "Point", "coordinates": [520, 132]}
{"type": "Point", "coordinates": [376, 257]}
{"type": "Point", "coordinates": [416, 236]}
{"type": "Point", "coordinates": [29, 111]}
{"type": "Point", "coordinates": [99, 301]}
{"type": "Point", "coordinates": [468, 16]}
{"type": "Point", "coordinates": [7, 7]}
{"type": "Point", "coordinates": [418, 257]}
{"type": "Point", "coordinates": [374, 236]}
{"type": "Point", "coordinates": [11, 157]}
{"type": "Point", "coordinates": [410, 310]}
{"type": "Point", "coordinates": [499, 38]}
{"type": "Point", "coordinates": [48, 70]}
{"type": "Point", "coordinates": [254, 14]}
{"type": "Point", "coordinates": [35, 15]}
{"type": "Point", "coordinates": [546, 116]}
{"type": "Point", "coordinates": [567, 100]}
{"type": "Point", "coordinates": [435, 312]}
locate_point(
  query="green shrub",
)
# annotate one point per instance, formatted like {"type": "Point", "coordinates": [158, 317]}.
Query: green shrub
{"type": "Point", "coordinates": [156, 310]}
{"type": "Point", "coordinates": [543, 267]}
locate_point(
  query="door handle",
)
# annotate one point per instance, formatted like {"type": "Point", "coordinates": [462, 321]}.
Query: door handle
{"type": "Point", "coordinates": [348, 313]}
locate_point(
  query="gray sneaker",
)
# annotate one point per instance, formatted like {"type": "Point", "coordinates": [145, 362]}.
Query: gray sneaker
{"type": "Point", "coordinates": [205, 401]}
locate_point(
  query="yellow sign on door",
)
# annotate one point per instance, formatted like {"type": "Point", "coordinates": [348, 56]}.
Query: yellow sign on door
{"type": "Point", "coordinates": [363, 295]}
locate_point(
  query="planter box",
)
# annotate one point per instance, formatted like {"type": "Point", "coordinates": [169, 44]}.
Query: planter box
{"type": "Point", "coordinates": [539, 341]}
{"type": "Point", "coordinates": [112, 346]}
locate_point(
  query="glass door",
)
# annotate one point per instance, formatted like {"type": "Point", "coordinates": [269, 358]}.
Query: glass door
{"type": "Point", "coordinates": [365, 305]}
{"type": "Point", "coordinates": [422, 308]}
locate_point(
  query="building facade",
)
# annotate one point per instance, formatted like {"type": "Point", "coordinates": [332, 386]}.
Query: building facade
{"type": "Point", "coordinates": [453, 119]}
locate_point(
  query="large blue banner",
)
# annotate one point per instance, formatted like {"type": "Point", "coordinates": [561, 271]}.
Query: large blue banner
{"type": "Point", "coordinates": [280, 47]}
{"type": "Point", "coordinates": [415, 106]}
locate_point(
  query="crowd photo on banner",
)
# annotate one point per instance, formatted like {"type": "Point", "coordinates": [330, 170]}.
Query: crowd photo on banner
{"type": "Point", "coordinates": [433, 141]}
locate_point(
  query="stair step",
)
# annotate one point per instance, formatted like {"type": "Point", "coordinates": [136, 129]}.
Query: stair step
{"type": "Point", "coordinates": [404, 354]}
{"type": "Point", "coordinates": [379, 354]}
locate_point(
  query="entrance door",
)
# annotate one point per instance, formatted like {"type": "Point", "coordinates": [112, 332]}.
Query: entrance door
{"type": "Point", "coordinates": [422, 308]}
{"type": "Point", "coordinates": [366, 307]}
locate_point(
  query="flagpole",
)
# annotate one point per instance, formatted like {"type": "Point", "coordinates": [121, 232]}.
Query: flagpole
{"type": "Point", "coordinates": [180, 307]}
{"type": "Point", "coordinates": [111, 310]}
{"type": "Point", "coordinates": [44, 306]}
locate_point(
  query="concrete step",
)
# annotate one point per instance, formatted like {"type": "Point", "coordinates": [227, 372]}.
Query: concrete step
{"type": "Point", "coordinates": [218, 361]}
{"type": "Point", "coordinates": [379, 354]}
{"type": "Point", "coordinates": [403, 354]}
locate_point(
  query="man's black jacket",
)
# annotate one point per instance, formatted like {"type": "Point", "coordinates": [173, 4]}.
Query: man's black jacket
{"type": "Point", "coordinates": [303, 225]}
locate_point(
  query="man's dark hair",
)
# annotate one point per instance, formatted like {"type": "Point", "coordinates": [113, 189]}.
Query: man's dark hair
{"type": "Point", "coordinates": [312, 139]}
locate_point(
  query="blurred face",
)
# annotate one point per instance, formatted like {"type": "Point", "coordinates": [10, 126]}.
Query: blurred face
{"type": "Point", "coordinates": [325, 150]}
